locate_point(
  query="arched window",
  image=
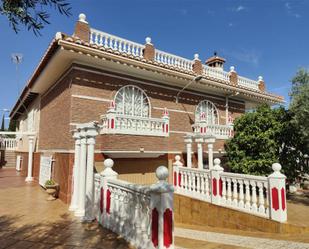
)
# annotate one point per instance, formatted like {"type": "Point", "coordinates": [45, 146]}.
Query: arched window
{"type": "Point", "coordinates": [208, 110]}
{"type": "Point", "coordinates": [132, 101]}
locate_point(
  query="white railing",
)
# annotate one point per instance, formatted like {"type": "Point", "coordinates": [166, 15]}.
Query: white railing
{"type": "Point", "coordinates": [114, 123]}
{"type": "Point", "coordinates": [8, 143]}
{"type": "Point", "coordinates": [245, 192]}
{"type": "Point", "coordinates": [128, 47]}
{"type": "Point", "coordinates": [219, 131]}
{"type": "Point", "coordinates": [136, 212]}
{"type": "Point", "coordinates": [257, 195]}
{"type": "Point", "coordinates": [216, 73]}
{"type": "Point", "coordinates": [116, 43]}
{"type": "Point", "coordinates": [252, 84]}
{"type": "Point", "coordinates": [173, 60]}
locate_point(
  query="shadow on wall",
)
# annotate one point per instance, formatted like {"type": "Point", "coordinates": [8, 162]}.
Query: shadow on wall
{"type": "Point", "coordinates": [59, 233]}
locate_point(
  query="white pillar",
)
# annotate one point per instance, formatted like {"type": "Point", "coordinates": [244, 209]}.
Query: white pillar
{"type": "Point", "coordinates": [80, 211]}
{"type": "Point", "coordinates": [29, 177]}
{"type": "Point", "coordinates": [227, 110]}
{"type": "Point", "coordinates": [199, 142]}
{"type": "Point", "coordinates": [210, 144]}
{"type": "Point", "coordinates": [89, 215]}
{"type": "Point", "coordinates": [188, 141]}
{"type": "Point", "coordinates": [76, 170]}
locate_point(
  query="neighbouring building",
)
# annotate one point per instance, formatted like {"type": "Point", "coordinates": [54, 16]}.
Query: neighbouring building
{"type": "Point", "coordinates": [149, 105]}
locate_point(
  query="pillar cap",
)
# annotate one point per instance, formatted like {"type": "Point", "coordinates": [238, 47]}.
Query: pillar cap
{"type": "Point", "coordinates": [148, 40]}
{"type": "Point", "coordinates": [82, 18]}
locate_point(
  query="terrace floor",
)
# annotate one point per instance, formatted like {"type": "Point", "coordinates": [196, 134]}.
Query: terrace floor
{"type": "Point", "coordinates": [27, 220]}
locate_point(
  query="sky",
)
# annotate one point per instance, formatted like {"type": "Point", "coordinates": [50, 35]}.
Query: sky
{"type": "Point", "coordinates": [259, 37]}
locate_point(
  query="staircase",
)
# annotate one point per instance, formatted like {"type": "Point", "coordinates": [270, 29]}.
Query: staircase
{"type": "Point", "coordinates": [8, 159]}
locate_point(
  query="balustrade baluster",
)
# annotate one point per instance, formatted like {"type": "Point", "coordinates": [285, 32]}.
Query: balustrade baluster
{"type": "Point", "coordinates": [235, 193]}
{"type": "Point", "coordinates": [261, 198]}
{"type": "Point", "coordinates": [189, 181]}
{"type": "Point", "coordinates": [254, 199]}
{"type": "Point", "coordinates": [267, 199]}
{"type": "Point", "coordinates": [207, 189]}
{"type": "Point", "coordinates": [198, 186]}
{"type": "Point", "coordinates": [229, 192]}
{"type": "Point", "coordinates": [247, 189]}
{"type": "Point", "coordinates": [96, 38]}
{"type": "Point", "coordinates": [202, 184]}
{"type": "Point", "coordinates": [223, 199]}
{"type": "Point", "coordinates": [241, 193]}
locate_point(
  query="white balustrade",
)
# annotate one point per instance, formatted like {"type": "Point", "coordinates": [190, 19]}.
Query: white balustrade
{"type": "Point", "coordinates": [116, 43]}
{"type": "Point", "coordinates": [173, 60]}
{"type": "Point", "coordinates": [245, 193]}
{"type": "Point", "coordinates": [219, 131]}
{"type": "Point", "coordinates": [252, 84]}
{"type": "Point", "coordinates": [123, 124]}
{"type": "Point", "coordinates": [216, 73]}
{"type": "Point", "coordinates": [8, 143]}
{"type": "Point", "coordinates": [137, 212]}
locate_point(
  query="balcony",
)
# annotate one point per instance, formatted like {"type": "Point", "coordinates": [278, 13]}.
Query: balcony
{"type": "Point", "coordinates": [114, 123]}
{"type": "Point", "coordinates": [216, 130]}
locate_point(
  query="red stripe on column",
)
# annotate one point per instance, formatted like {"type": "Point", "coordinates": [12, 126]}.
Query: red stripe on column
{"type": "Point", "coordinates": [179, 179]}
{"type": "Point", "coordinates": [112, 123]}
{"type": "Point", "coordinates": [214, 186]}
{"type": "Point", "coordinates": [166, 128]}
{"type": "Point", "coordinates": [168, 228]}
{"type": "Point", "coordinates": [275, 198]}
{"type": "Point", "coordinates": [108, 201]}
{"type": "Point", "coordinates": [155, 227]}
{"type": "Point", "coordinates": [220, 187]}
{"type": "Point", "coordinates": [283, 198]}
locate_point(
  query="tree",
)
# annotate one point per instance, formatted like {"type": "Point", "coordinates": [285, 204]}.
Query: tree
{"type": "Point", "coordinates": [2, 123]}
{"type": "Point", "coordinates": [300, 104]}
{"type": "Point", "coordinates": [262, 138]}
{"type": "Point", "coordinates": [31, 13]}
{"type": "Point", "coordinates": [12, 125]}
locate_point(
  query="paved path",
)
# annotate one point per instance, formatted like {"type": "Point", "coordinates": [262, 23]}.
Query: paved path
{"type": "Point", "coordinates": [236, 240]}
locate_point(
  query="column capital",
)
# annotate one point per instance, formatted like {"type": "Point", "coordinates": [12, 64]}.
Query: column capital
{"type": "Point", "coordinates": [210, 139]}
{"type": "Point", "coordinates": [199, 140]}
{"type": "Point", "coordinates": [188, 139]}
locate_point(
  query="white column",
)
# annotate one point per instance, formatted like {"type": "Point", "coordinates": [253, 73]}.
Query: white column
{"type": "Point", "coordinates": [210, 144]}
{"type": "Point", "coordinates": [91, 133]}
{"type": "Point", "coordinates": [76, 170]}
{"type": "Point", "coordinates": [226, 110]}
{"type": "Point", "coordinates": [29, 177]}
{"type": "Point", "coordinates": [188, 141]}
{"type": "Point", "coordinates": [80, 211]}
{"type": "Point", "coordinates": [199, 142]}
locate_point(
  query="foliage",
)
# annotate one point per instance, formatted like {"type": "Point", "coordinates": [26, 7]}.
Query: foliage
{"type": "Point", "coordinates": [50, 183]}
{"type": "Point", "coordinates": [12, 125]}
{"type": "Point", "coordinates": [2, 123]}
{"type": "Point", "coordinates": [300, 104]}
{"type": "Point", "coordinates": [262, 138]}
{"type": "Point", "coordinates": [31, 13]}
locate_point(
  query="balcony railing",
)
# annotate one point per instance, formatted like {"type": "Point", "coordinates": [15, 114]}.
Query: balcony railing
{"type": "Point", "coordinates": [113, 123]}
{"type": "Point", "coordinates": [219, 131]}
{"type": "Point", "coordinates": [132, 48]}
{"type": "Point", "coordinates": [8, 143]}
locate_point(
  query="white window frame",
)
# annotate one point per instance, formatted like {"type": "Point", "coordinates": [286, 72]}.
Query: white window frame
{"type": "Point", "coordinates": [215, 113]}
{"type": "Point", "coordinates": [143, 94]}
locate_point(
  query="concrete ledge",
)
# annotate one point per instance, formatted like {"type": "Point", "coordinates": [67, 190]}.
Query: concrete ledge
{"type": "Point", "coordinates": [195, 212]}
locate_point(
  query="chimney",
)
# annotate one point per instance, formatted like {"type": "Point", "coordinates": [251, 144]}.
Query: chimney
{"type": "Point", "coordinates": [215, 61]}
{"type": "Point", "coordinates": [82, 29]}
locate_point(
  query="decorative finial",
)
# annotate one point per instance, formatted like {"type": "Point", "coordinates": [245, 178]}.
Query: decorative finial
{"type": "Point", "coordinates": [148, 40]}
{"type": "Point", "coordinates": [217, 162]}
{"type": "Point", "coordinates": [177, 161]}
{"type": "Point", "coordinates": [108, 163]}
{"type": "Point", "coordinates": [260, 78]}
{"type": "Point", "coordinates": [196, 56]}
{"type": "Point", "coordinates": [232, 69]}
{"type": "Point", "coordinates": [82, 18]}
{"type": "Point", "coordinates": [276, 167]}
{"type": "Point", "coordinates": [162, 173]}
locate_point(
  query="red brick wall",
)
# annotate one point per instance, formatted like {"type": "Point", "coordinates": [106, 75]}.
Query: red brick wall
{"type": "Point", "coordinates": [55, 117]}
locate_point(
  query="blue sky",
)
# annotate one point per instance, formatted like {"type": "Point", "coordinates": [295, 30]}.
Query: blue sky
{"type": "Point", "coordinates": [261, 37]}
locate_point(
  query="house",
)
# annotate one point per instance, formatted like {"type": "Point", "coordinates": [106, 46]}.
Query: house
{"type": "Point", "coordinates": [149, 106]}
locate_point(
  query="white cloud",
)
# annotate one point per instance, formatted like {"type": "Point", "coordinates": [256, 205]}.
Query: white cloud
{"type": "Point", "coordinates": [290, 10]}
{"type": "Point", "coordinates": [239, 8]}
{"type": "Point", "coordinates": [230, 24]}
